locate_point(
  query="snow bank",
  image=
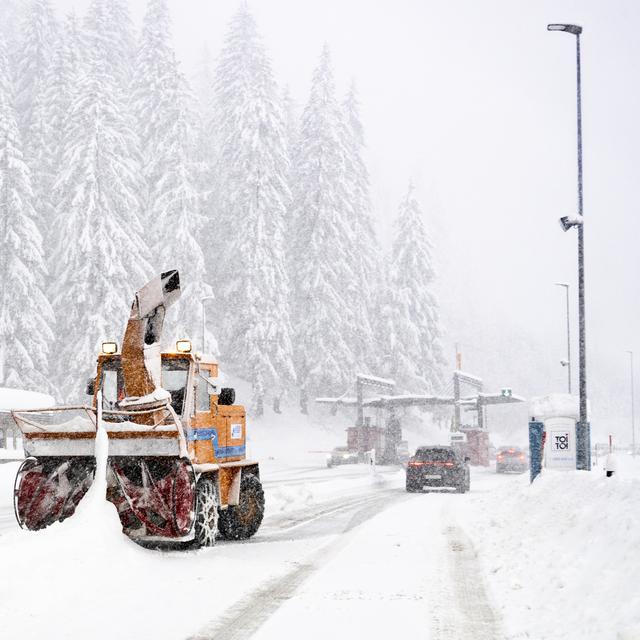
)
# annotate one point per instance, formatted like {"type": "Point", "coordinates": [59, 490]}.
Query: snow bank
{"type": "Point", "coordinates": [561, 555]}
{"type": "Point", "coordinates": [21, 399]}
{"type": "Point", "coordinates": [556, 405]}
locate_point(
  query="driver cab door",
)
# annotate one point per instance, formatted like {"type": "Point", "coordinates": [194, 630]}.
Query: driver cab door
{"type": "Point", "coordinates": [208, 435]}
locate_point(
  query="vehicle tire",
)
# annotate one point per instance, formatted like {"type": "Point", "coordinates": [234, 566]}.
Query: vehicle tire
{"type": "Point", "coordinates": [241, 521]}
{"type": "Point", "coordinates": [411, 488]}
{"type": "Point", "coordinates": [207, 503]}
{"type": "Point", "coordinates": [460, 488]}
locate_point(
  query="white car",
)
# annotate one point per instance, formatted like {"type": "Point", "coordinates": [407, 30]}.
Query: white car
{"type": "Point", "coordinates": [342, 455]}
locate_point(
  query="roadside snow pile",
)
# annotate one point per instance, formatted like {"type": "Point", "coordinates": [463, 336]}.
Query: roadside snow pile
{"type": "Point", "coordinates": [561, 556]}
{"type": "Point", "coordinates": [22, 399]}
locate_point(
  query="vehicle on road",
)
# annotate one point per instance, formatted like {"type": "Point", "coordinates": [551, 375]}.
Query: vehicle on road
{"type": "Point", "coordinates": [511, 460]}
{"type": "Point", "coordinates": [438, 466]}
{"type": "Point", "coordinates": [177, 469]}
{"type": "Point", "coordinates": [342, 455]}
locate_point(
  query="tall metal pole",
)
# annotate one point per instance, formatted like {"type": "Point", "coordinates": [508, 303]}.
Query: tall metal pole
{"type": "Point", "coordinates": [204, 321]}
{"type": "Point", "coordinates": [633, 417]}
{"type": "Point", "coordinates": [566, 290]}
{"type": "Point", "coordinates": [583, 431]}
{"type": "Point", "coordinates": [584, 436]}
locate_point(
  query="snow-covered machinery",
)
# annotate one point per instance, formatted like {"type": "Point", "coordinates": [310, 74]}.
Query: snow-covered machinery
{"type": "Point", "coordinates": [177, 467]}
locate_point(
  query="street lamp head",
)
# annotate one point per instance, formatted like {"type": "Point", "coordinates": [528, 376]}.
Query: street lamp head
{"type": "Point", "coordinates": [575, 29]}
{"type": "Point", "coordinates": [566, 222]}
{"type": "Point", "coordinates": [562, 284]}
{"type": "Point", "coordinates": [565, 363]}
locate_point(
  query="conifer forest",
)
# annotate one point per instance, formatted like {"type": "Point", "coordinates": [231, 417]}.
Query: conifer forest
{"type": "Point", "coordinates": [116, 164]}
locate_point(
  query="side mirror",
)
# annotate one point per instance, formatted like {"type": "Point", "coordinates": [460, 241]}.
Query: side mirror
{"type": "Point", "coordinates": [91, 387]}
{"type": "Point", "coordinates": [227, 396]}
{"type": "Point", "coordinates": [467, 458]}
{"type": "Point", "coordinates": [212, 388]}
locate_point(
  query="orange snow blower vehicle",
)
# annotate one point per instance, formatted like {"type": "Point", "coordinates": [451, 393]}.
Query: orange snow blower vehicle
{"type": "Point", "coordinates": [177, 467]}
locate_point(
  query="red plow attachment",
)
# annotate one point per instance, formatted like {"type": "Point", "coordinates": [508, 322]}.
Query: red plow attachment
{"type": "Point", "coordinates": [150, 479]}
{"type": "Point", "coordinates": [60, 467]}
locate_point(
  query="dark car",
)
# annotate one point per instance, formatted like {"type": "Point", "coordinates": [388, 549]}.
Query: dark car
{"type": "Point", "coordinates": [511, 459]}
{"type": "Point", "coordinates": [342, 455]}
{"type": "Point", "coordinates": [438, 467]}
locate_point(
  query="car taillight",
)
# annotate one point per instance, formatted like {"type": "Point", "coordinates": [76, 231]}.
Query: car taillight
{"type": "Point", "coordinates": [500, 457]}
{"type": "Point", "coordinates": [448, 464]}
{"type": "Point", "coordinates": [415, 463]}
{"type": "Point", "coordinates": [521, 456]}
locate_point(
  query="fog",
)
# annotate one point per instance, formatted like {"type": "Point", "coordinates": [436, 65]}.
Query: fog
{"type": "Point", "coordinates": [475, 102]}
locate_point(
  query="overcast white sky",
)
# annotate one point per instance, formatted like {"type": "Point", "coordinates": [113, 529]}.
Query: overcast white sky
{"type": "Point", "coordinates": [475, 101]}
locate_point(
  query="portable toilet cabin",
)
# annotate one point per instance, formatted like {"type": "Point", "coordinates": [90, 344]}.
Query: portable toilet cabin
{"type": "Point", "coordinates": [559, 412]}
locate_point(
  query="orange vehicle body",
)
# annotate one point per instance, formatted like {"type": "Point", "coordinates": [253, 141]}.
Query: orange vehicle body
{"type": "Point", "coordinates": [215, 433]}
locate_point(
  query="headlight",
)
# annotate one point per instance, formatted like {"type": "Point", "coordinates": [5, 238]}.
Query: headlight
{"type": "Point", "coordinates": [183, 346]}
{"type": "Point", "coordinates": [109, 348]}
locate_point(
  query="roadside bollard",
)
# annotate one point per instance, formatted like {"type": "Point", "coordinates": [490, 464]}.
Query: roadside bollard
{"type": "Point", "coordinates": [610, 466]}
{"type": "Point", "coordinates": [536, 447]}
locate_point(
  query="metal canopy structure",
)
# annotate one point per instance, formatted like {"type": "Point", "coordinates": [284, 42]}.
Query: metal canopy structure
{"type": "Point", "coordinates": [390, 402]}
{"type": "Point", "coordinates": [476, 402]}
{"type": "Point", "coordinates": [470, 402]}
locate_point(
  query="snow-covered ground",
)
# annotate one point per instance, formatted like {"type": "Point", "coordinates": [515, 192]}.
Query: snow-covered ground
{"type": "Point", "coordinates": [346, 552]}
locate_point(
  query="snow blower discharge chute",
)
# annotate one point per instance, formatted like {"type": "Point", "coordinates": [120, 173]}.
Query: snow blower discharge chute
{"type": "Point", "coordinates": [177, 467]}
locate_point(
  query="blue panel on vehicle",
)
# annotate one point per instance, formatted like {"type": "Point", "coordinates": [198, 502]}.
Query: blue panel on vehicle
{"type": "Point", "coordinates": [212, 434]}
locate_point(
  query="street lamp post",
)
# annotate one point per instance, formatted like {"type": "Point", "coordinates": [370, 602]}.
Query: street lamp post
{"type": "Point", "coordinates": [204, 322]}
{"type": "Point", "coordinates": [633, 417]}
{"type": "Point", "coordinates": [567, 363]}
{"type": "Point", "coordinates": [583, 435]}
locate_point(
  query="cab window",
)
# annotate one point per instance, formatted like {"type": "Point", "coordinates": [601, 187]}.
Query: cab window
{"type": "Point", "coordinates": [203, 399]}
{"type": "Point", "coordinates": [175, 372]}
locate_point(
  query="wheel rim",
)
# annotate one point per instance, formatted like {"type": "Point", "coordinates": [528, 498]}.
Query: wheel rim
{"type": "Point", "coordinates": [207, 514]}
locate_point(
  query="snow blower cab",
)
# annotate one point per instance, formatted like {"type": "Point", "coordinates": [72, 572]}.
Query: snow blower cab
{"type": "Point", "coordinates": [177, 467]}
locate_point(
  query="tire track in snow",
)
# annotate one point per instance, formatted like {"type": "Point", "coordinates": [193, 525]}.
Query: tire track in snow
{"type": "Point", "coordinates": [277, 527]}
{"type": "Point", "coordinates": [461, 607]}
{"type": "Point", "coordinates": [252, 611]}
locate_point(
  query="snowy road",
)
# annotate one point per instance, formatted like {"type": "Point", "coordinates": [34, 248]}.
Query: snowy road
{"type": "Point", "coordinates": [335, 545]}
{"type": "Point", "coordinates": [400, 565]}
{"type": "Point", "coordinates": [344, 553]}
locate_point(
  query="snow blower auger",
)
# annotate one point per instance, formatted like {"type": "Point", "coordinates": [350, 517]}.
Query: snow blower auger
{"type": "Point", "coordinates": [177, 469]}
{"type": "Point", "coordinates": [60, 464]}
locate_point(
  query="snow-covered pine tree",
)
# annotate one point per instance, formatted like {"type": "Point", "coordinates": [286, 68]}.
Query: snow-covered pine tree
{"type": "Point", "coordinates": [366, 252]}
{"type": "Point", "coordinates": [291, 125]}
{"type": "Point", "coordinates": [119, 38]}
{"type": "Point", "coordinates": [166, 122]}
{"type": "Point", "coordinates": [204, 145]}
{"type": "Point", "coordinates": [33, 68]}
{"type": "Point", "coordinates": [33, 60]}
{"type": "Point", "coordinates": [409, 330]}
{"type": "Point", "coordinates": [321, 263]}
{"type": "Point", "coordinates": [101, 256]}
{"type": "Point", "coordinates": [62, 79]}
{"type": "Point", "coordinates": [10, 20]}
{"type": "Point", "coordinates": [202, 80]}
{"type": "Point", "coordinates": [152, 91]}
{"type": "Point", "coordinates": [253, 197]}
{"type": "Point", "coordinates": [26, 317]}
